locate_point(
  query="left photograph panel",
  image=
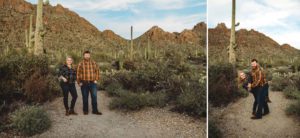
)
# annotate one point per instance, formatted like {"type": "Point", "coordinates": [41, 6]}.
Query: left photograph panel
{"type": "Point", "coordinates": [103, 68]}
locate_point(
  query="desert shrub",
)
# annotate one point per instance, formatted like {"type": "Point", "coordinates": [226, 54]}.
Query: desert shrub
{"type": "Point", "coordinates": [242, 92]}
{"type": "Point", "coordinates": [294, 109]}
{"type": "Point", "coordinates": [41, 88]}
{"type": "Point", "coordinates": [129, 65]}
{"type": "Point", "coordinates": [193, 99]}
{"type": "Point", "coordinates": [291, 92]}
{"type": "Point", "coordinates": [24, 76]}
{"type": "Point", "coordinates": [114, 89]}
{"type": "Point", "coordinates": [158, 99]}
{"type": "Point", "coordinates": [30, 120]}
{"type": "Point", "coordinates": [136, 101]}
{"type": "Point", "coordinates": [213, 129]}
{"type": "Point", "coordinates": [15, 69]}
{"type": "Point", "coordinates": [223, 87]}
{"type": "Point", "coordinates": [279, 83]}
{"type": "Point", "coordinates": [129, 101]}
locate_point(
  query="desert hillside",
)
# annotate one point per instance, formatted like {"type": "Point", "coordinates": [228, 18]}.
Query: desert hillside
{"type": "Point", "coordinates": [251, 44]}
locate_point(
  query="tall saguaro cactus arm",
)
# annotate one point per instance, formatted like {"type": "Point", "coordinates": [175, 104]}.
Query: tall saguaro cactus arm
{"type": "Point", "coordinates": [131, 43]}
{"type": "Point", "coordinates": [39, 30]}
{"type": "Point", "coordinates": [232, 45]}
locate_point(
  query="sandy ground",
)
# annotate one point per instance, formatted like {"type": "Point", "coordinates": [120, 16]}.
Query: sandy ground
{"type": "Point", "coordinates": [147, 123]}
{"type": "Point", "coordinates": [235, 119]}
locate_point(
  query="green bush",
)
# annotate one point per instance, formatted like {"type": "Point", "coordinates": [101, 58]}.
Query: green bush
{"type": "Point", "coordinates": [114, 89]}
{"type": "Point", "coordinates": [291, 92]}
{"type": "Point", "coordinates": [279, 83]}
{"type": "Point", "coordinates": [158, 99]}
{"type": "Point", "coordinates": [136, 101]}
{"type": "Point", "coordinates": [223, 87]}
{"type": "Point", "coordinates": [30, 120]}
{"type": "Point", "coordinates": [41, 88]}
{"type": "Point", "coordinates": [242, 92]}
{"type": "Point", "coordinates": [294, 109]}
{"type": "Point", "coordinates": [193, 100]}
{"type": "Point", "coordinates": [213, 130]}
{"type": "Point", "coordinates": [128, 101]}
{"type": "Point", "coordinates": [27, 77]}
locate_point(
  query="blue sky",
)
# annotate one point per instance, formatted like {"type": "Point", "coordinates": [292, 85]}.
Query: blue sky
{"type": "Point", "coordinates": [119, 15]}
{"type": "Point", "coordinates": [278, 19]}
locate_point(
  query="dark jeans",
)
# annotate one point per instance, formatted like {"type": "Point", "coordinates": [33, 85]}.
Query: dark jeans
{"type": "Point", "coordinates": [87, 88]}
{"type": "Point", "coordinates": [254, 92]}
{"type": "Point", "coordinates": [267, 89]}
{"type": "Point", "coordinates": [261, 101]}
{"type": "Point", "coordinates": [66, 88]}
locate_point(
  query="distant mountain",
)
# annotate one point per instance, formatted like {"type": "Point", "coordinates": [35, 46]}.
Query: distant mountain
{"type": "Point", "coordinates": [157, 36]}
{"type": "Point", "coordinates": [251, 44]}
{"type": "Point", "coordinates": [67, 30]}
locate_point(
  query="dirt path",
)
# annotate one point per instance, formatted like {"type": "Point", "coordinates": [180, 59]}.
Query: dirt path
{"type": "Point", "coordinates": [235, 119]}
{"type": "Point", "coordinates": [149, 122]}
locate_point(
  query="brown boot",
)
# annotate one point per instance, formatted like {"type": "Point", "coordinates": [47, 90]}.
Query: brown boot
{"type": "Point", "coordinates": [268, 100]}
{"type": "Point", "coordinates": [72, 112]}
{"type": "Point", "coordinates": [67, 113]}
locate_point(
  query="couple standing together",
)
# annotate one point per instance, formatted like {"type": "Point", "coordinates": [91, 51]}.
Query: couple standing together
{"type": "Point", "coordinates": [256, 83]}
{"type": "Point", "coordinates": [86, 75]}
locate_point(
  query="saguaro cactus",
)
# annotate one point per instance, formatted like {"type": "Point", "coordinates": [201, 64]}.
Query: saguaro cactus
{"type": "Point", "coordinates": [131, 43]}
{"type": "Point", "coordinates": [26, 38]}
{"type": "Point", "coordinates": [39, 30]}
{"type": "Point", "coordinates": [148, 50]}
{"type": "Point", "coordinates": [31, 34]}
{"type": "Point", "coordinates": [232, 45]}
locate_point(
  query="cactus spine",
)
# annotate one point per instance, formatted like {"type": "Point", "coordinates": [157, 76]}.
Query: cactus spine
{"type": "Point", "coordinates": [232, 45]}
{"type": "Point", "coordinates": [39, 30]}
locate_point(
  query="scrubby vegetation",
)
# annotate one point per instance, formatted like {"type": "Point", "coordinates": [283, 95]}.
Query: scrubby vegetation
{"type": "Point", "coordinates": [223, 85]}
{"type": "Point", "coordinates": [25, 79]}
{"type": "Point", "coordinates": [175, 78]}
{"type": "Point", "coordinates": [213, 130]}
{"type": "Point", "coordinates": [30, 120]}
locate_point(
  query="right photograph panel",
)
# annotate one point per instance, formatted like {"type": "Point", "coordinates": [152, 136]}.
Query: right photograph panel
{"type": "Point", "coordinates": [254, 68]}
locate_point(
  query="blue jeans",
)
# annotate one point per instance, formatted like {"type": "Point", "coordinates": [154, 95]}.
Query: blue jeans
{"type": "Point", "coordinates": [87, 88]}
{"type": "Point", "coordinates": [69, 88]}
{"type": "Point", "coordinates": [261, 101]}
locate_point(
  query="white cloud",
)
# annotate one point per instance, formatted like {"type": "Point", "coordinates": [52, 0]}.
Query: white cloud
{"type": "Point", "coordinates": [279, 19]}
{"type": "Point", "coordinates": [96, 5]}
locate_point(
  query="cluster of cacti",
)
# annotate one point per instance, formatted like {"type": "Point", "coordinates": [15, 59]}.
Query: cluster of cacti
{"type": "Point", "coordinates": [36, 38]}
{"type": "Point", "coordinates": [232, 46]}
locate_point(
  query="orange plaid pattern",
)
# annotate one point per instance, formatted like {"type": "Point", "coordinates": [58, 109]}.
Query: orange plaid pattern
{"type": "Point", "coordinates": [87, 70]}
{"type": "Point", "coordinates": [258, 77]}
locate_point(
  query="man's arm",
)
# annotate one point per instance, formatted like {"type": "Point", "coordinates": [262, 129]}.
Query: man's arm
{"type": "Point", "coordinates": [79, 73]}
{"type": "Point", "coordinates": [97, 72]}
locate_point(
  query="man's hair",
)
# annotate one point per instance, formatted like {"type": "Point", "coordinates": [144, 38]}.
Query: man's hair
{"type": "Point", "coordinates": [254, 60]}
{"type": "Point", "coordinates": [86, 52]}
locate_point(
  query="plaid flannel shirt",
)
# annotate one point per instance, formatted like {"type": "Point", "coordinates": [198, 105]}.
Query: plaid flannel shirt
{"type": "Point", "coordinates": [87, 70]}
{"type": "Point", "coordinates": [258, 78]}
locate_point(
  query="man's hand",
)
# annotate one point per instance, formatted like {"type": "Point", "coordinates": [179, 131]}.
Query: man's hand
{"type": "Point", "coordinates": [64, 79]}
{"type": "Point", "coordinates": [249, 87]}
{"type": "Point", "coordinates": [80, 84]}
{"type": "Point", "coordinates": [95, 81]}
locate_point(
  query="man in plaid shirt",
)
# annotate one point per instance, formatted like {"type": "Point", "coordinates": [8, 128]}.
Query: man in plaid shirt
{"type": "Point", "coordinates": [87, 77]}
